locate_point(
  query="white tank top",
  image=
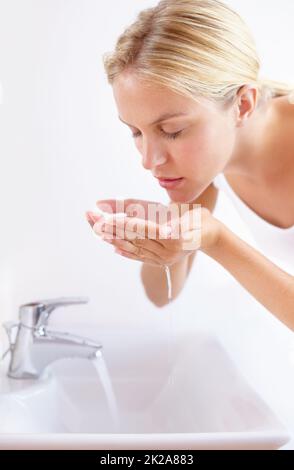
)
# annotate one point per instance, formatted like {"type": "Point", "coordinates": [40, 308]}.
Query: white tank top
{"type": "Point", "coordinates": [274, 242]}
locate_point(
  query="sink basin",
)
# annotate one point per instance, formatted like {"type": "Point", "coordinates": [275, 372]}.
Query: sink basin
{"type": "Point", "coordinates": [172, 392]}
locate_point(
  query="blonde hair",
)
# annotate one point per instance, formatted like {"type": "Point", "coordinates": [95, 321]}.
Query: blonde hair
{"type": "Point", "coordinates": [194, 47]}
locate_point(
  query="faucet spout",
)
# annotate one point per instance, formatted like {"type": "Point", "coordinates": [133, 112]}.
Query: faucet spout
{"type": "Point", "coordinates": [36, 346]}
{"type": "Point", "coordinates": [34, 351]}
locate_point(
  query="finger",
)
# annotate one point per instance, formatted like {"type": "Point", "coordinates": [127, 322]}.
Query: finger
{"type": "Point", "coordinates": [120, 227]}
{"type": "Point", "coordinates": [111, 231]}
{"type": "Point", "coordinates": [104, 224]}
{"type": "Point", "coordinates": [92, 218]}
{"type": "Point", "coordinates": [89, 220]}
{"type": "Point", "coordinates": [122, 245]}
{"type": "Point", "coordinates": [103, 228]}
{"type": "Point", "coordinates": [152, 247]}
{"type": "Point", "coordinates": [132, 248]}
{"type": "Point", "coordinates": [132, 207]}
{"type": "Point", "coordinates": [114, 206]}
{"type": "Point", "coordinates": [139, 228]}
{"type": "Point", "coordinates": [145, 259]}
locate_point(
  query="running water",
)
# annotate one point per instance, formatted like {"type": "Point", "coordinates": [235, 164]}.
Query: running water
{"type": "Point", "coordinates": [169, 282]}
{"type": "Point", "coordinates": [101, 369]}
{"type": "Point", "coordinates": [171, 348]}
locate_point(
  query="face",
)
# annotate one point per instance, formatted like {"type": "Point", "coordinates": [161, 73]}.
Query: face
{"type": "Point", "coordinates": [195, 145]}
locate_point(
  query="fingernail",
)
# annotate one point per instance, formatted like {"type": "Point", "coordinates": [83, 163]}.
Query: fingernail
{"type": "Point", "coordinates": [100, 204]}
{"type": "Point", "coordinates": [95, 217]}
{"type": "Point", "coordinates": [88, 217]}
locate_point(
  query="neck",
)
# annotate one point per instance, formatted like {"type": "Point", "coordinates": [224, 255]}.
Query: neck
{"type": "Point", "coordinates": [250, 158]}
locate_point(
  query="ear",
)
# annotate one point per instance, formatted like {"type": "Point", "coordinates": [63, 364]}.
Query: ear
{"type": "Point", "coordinates": [245, 104]}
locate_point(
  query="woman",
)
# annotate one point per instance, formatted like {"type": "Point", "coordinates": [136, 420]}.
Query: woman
{"type": "Point", "coordinates": [185, 77]}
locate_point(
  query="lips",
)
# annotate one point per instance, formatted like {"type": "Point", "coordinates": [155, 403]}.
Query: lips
{"type": "Point", "coordinates": [170, 183]}
{"type": "Point", "coordinates": [168, 179]}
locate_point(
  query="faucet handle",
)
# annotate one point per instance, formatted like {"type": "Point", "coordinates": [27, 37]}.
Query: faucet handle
{"type": "Point", "coordinates": [36, 314]}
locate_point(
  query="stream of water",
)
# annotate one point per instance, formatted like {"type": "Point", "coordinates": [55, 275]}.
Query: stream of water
{"type": "Point", "coordinates": [169, 282]}
{"type": "Point", "coordinates": [103, 374]}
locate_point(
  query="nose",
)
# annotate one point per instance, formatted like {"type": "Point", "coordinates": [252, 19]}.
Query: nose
{"type": "Point", "coordinates": [152, 156]}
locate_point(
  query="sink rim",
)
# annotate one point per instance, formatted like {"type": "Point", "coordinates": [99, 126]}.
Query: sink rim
{"type": "Point", "coordinates": [182, 441]}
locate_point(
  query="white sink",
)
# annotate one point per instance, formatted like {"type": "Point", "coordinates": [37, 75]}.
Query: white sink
{"type": "Point", "coordinates": [179, 392]}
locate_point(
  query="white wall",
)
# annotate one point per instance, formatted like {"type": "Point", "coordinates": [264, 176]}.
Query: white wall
{"type": "Point", "coordinates": [62, 147]}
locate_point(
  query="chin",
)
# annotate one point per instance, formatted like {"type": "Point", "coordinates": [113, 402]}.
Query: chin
{"type": "Point", "coordinates": [183, 197]}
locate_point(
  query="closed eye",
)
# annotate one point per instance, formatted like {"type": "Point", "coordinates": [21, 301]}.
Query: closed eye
{"type": "Point", "coordinates": [167, 135]}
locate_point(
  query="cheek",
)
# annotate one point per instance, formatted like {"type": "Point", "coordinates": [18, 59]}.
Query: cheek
{"type": "Point", "coordinates": [196, 151]}
{"type": "Point", "coordinates": [209, 147]}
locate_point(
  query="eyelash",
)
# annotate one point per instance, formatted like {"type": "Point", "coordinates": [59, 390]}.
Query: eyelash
{"type": "Point", "coordinates": [168, 136]}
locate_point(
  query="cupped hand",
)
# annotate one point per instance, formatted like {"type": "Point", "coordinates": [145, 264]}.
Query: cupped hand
{"type": "Point", "coordinates": [153, 233]}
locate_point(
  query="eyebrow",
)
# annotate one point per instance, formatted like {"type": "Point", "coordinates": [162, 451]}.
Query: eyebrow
{"type": "Point", "coordinates": [162, 118]}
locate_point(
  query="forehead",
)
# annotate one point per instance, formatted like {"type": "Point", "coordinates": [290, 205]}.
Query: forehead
{"type": "Point", "coordinates": [136, 98]}
{"type": "Point", "coordinates": [132, 85]}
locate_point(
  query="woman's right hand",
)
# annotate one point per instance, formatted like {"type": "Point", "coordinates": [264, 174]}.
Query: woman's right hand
{"type": "Point", "coordinates": [148, 239]}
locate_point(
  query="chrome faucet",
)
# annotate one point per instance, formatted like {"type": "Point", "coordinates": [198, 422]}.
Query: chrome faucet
{"type": "Point", "coordinates": [33, 345]}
